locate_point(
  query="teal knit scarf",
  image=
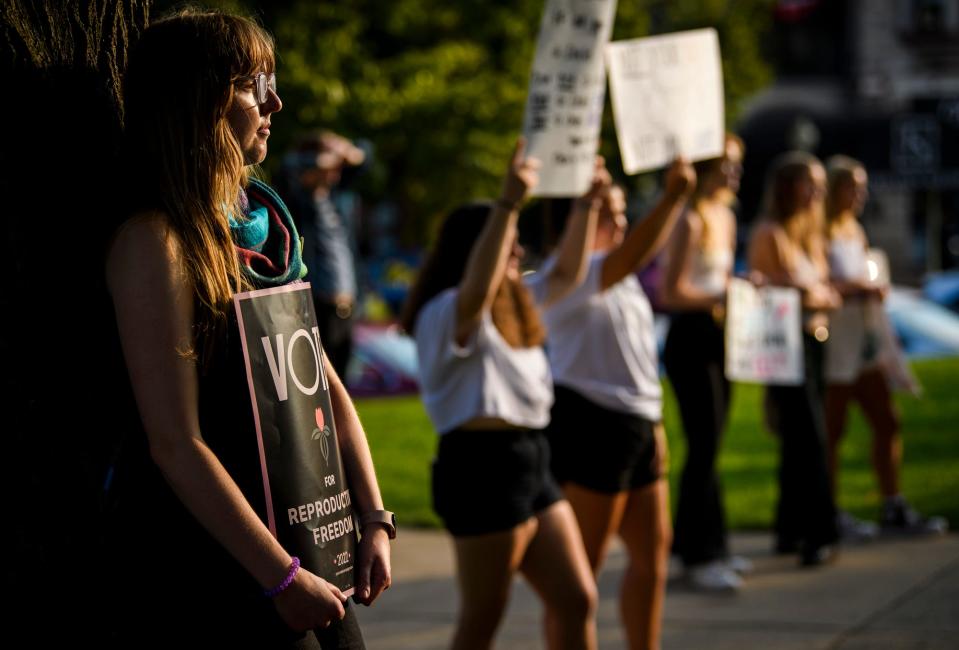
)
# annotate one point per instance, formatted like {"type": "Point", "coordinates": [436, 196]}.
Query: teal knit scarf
{"type": "Point", "coordinates": [266, 240]}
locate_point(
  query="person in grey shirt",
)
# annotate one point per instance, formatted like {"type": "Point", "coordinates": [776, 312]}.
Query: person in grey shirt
{"type": "Point", "coordinates": [314, 169]}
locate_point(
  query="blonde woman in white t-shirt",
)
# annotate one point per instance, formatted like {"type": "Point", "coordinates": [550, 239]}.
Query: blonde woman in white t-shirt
{"type": "Point", "coordinates": [606, 435]}
{"type": "Point", "coordinates": [486, 385]}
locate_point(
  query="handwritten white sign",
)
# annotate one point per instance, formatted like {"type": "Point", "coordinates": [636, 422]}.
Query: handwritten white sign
{"type": "Point", "coordinates": [667, 95]}
{"type": "Point", "coordinates": [763, 334]}
{"type": "Point", "coordinates": [567, 89]}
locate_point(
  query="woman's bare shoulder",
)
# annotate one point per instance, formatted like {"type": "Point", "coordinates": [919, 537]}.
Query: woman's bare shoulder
{"type": "Point", "coordinates": [765, 230]}
{"type": "Point", "coordinates": [691, 221]}
{"type": "Point", "coordinates": [767, 227]}
{"type": "Point", "coordinates": [729, 215]}
{"type": "Point", "coordinates": [145, 243]}
{"type": "Point", "coordinates": [143, 227]}
{"type": "Point", "coordinates": [859, 232]}
{"type": "Point", "coordinates": [766, 243]}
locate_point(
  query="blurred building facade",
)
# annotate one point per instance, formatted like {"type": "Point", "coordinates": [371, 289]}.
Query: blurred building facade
{"type": "Point", "coordinates": [877, 80]}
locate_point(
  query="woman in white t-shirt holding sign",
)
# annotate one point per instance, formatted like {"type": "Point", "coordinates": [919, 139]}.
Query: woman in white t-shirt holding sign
{"type": "Point", "coordinates": [606, 435]}
{"type": "Point", "coordinates": [487, 388]}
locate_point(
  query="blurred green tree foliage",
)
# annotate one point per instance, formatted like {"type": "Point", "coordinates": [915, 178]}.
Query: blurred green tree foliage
{"type": "Point", "coordinates": [439, 87]}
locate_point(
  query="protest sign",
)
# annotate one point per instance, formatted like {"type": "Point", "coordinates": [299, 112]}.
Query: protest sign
{"type": "Point", "coordinates": [667, 96]}
{"type": "Point", "coordinates": [763, 334]}
{"type": "Point", "coordinates": [308, 502]}
{"type": "Point", "coordinates": [567, 89]}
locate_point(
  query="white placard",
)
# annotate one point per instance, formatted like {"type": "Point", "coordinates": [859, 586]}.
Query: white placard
{"type": "Point", "coordinates": [763, 334]}
{"type": "Point", "coordinates": [567, 89]}
{"type": "Point", "coordinates": [667, 95]}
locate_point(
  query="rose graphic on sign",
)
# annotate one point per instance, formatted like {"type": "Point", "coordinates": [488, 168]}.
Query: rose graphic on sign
{"type": "Point", "coordinates": [322, 433]}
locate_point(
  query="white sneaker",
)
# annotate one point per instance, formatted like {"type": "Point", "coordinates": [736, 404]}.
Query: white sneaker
{"type": "Point", "coordinates": [853, 530]}
{"type": "Point", "coordinates": [899, 518]}
{"type": "Point", "coordinates": [740, 565]}
{"type": "Point", "coordinates": [713, 576]}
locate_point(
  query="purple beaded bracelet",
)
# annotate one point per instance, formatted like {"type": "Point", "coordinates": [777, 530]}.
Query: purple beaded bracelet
{"type": "Point", "coordinates": [287, 581]}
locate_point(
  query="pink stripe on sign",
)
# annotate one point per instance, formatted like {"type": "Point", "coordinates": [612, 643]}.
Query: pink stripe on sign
{"type": "Point", "coordinates": [246, 295]}
{"type": "Point", "coordinates": [296, 285]}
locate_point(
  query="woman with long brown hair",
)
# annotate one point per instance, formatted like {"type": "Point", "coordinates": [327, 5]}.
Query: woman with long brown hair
{"type": "Point", "coordinates": [699, 263]}
{"type": "Point", "coordinates": [193, 562]}
{"type": "Point", "coordinates": [486, 385]}
{"type": "Point", "coordinates": [606, 436]}
{"type": "Point", "coordinates": [854, 354]}
{"type": "Point", "coordinates": [787, 247]}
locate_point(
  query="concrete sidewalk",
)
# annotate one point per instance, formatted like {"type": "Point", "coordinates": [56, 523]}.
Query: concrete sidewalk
{"type": "Point", "coordinates": [886, 595]}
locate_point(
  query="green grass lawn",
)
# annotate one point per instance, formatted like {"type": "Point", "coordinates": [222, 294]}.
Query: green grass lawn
{"type": "Point", "coordinates": [403, 444]}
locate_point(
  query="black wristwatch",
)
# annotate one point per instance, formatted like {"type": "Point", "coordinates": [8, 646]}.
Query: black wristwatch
{"type": "Point", "coordinates": [384, 518]}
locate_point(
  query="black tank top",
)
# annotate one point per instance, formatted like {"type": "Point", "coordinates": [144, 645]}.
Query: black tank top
{"type": "Point", "coordinates": [165, 563]}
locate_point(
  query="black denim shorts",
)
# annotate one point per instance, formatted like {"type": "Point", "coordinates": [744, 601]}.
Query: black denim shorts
{"type": "Point", "coordinates": [598, 448]}
{"type": "Point", "coordinates": [486, 481]}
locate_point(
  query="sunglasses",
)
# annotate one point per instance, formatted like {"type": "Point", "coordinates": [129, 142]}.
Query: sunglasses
{"type": "Point", "coordinates": [263, 82]}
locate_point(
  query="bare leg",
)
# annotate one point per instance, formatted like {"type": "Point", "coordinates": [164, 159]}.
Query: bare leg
{"type": "Point", "coordinates": [485, 566]}
{"type": "Point", "coordinates": [557, 568]}
{"type": "Point", "coordinates": [647, 533]}
{"type": "Point", "coordinates": [599, 516]}
{"type": "Point", "coordinates": [874, 398]}
{"type": "Point", "coordinates": [837, 408]}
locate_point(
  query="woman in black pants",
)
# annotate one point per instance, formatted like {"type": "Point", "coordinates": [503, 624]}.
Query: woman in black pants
{"type": "Point", "coordinates": [788, 248]}
{"type": "Point", "coordinates": [699, 263]}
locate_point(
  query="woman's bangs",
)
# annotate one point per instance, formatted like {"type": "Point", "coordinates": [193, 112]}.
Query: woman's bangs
{"type": "Point", "coordinates": [255, 50]}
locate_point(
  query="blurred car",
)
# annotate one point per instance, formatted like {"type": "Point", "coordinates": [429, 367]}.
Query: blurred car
{"type": "Point", "coordinates": [924, 328]}
{"type": "Point", "coordinates": [943, 288]}
{"type": "Point", "coordinates": [383, 362]}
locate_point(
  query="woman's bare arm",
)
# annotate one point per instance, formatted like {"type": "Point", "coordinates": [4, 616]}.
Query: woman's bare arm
{"type": "Point", "coordinates": [373, 572]}
{"type": "Point", "coordinates": [767, 255]}
{"type": "Point", "coordinates": [572, 254]}
{"type": "Point", "coordinates": [647, 237]}
{"type": "Point", "coordinates": [487, 261]}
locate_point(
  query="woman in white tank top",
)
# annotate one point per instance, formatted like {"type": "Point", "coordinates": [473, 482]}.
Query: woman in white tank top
{"type": "Point", "coordinates": [699, 263]}
{"type": "Point", "coordinates": [854, 354]}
